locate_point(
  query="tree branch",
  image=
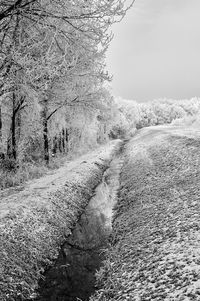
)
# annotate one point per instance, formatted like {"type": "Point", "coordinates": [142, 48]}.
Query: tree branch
{"type": "Point", "coordinates": [59, 107]}
{"type": "Point", "coordinates": [14, 7]}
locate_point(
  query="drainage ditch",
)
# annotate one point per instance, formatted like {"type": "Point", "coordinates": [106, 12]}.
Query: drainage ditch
{"type": "Point", "coordinates": [72, 278]}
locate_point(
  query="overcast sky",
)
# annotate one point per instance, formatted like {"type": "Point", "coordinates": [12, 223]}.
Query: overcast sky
{"type": "Point", "coordinates": [155, 52]}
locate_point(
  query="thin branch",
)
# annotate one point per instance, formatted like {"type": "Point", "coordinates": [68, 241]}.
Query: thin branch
{"type": "Point", "coordinates": [62, 105]}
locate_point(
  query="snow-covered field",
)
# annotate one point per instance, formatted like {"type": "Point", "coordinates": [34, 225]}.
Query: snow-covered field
{"type": "Point", "coordinates": [156, 228]}
{"type": "Point", "coordinates": [35, 222]}
{"type": "Point", "coordinates": [155, 244]}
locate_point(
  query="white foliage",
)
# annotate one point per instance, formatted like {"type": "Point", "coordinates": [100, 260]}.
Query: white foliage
{"type": "Point", "coordinates": [131, 114]}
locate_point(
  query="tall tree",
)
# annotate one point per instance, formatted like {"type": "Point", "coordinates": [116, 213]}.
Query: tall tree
{"type": "Point", "coordinates": [55, 48]}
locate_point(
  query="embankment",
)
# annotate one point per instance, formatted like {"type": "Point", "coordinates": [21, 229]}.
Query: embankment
{"type": "Point", "coordinates": [35, 222]}
{"type": "Point", "coordinates": [72, 276]}
{"type": "Point", "coordinates": [156, 228]}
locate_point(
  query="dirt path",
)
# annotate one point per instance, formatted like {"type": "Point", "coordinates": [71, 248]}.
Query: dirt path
{"type": "Point", "coordinates": [156, 228]}
{"type": "Point", "coordinates": [22, 196]}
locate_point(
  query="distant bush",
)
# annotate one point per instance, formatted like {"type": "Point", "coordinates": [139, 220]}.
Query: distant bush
{"type": "Point", "coordinates": [117, 132]}
{"type": "Point", "coordinates": [193, 121]}
{"type": "Point", "coordinates": [131, 115]}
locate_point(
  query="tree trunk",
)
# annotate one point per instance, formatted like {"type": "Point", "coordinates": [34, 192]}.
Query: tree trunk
{"type": "Point", "coordinates": [63, 140]}
{"type": "Point", "coordinates": [55, 145]}
{"type": "Point", "coordinates": [0, 128]}
{"type": "Point", "coordinates": [13, 136]}
{"type": "Point", "coordinates": [2, 155]}
{"type": "Point", "coordinates": [60, 142]}
{"type": "Point", "coordinates": [67, 140]}
{"type": "Point", "coordinates": [11, 145]}
{"type": "Point", "coordinates": [45, 133]}
{"type": "Point", "coordinates": [18, 125]}
{"type": "Point", "coordinates": [46, 142]}
{"type": "Point", "coordinates": [67, 135]}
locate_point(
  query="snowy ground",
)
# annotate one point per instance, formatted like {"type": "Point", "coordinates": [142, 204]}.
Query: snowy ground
{"type": "Point", "coordinates": [35, 221]}
{"type": "Point", "coordinates": [155, 253]}
{"type": "Point", "coordinates": [155, 247]}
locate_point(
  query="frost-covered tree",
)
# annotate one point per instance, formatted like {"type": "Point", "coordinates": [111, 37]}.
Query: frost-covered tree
{"type": "Point", "coordinates": [54, 51]}
{"type": "Point", "coordinates": [162, 111]}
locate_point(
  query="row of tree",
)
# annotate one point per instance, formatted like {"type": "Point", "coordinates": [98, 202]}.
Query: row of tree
{"type": "Point", "coordinates": [52, 71]}
{"type": "Point", "coordinates": [131, 115]}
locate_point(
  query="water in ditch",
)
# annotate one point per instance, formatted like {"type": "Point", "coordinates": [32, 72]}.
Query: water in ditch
{"type": "Point", "coordinates": [72, 278]}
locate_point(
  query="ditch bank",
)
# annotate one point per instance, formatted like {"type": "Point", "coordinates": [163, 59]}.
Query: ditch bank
{"type": "Point", "coordinates": [155, 243]}
{"type": "Point", "coordinates": [72, 277]}
{"type": "Point", "coordinates": [38, 220]}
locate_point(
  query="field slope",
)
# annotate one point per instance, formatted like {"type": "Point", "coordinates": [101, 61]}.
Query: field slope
{"type": "Point", "coordinates": [155, 251]}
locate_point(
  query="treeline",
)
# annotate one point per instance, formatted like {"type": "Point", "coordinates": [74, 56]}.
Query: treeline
{"type": "Point", "coordinates": [52, 75]}
{"type": "Point", "coordinates": [131, 115]}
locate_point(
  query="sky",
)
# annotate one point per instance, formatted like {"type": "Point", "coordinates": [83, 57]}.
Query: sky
{"type": "Point", "coordinates": [155, 52]}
